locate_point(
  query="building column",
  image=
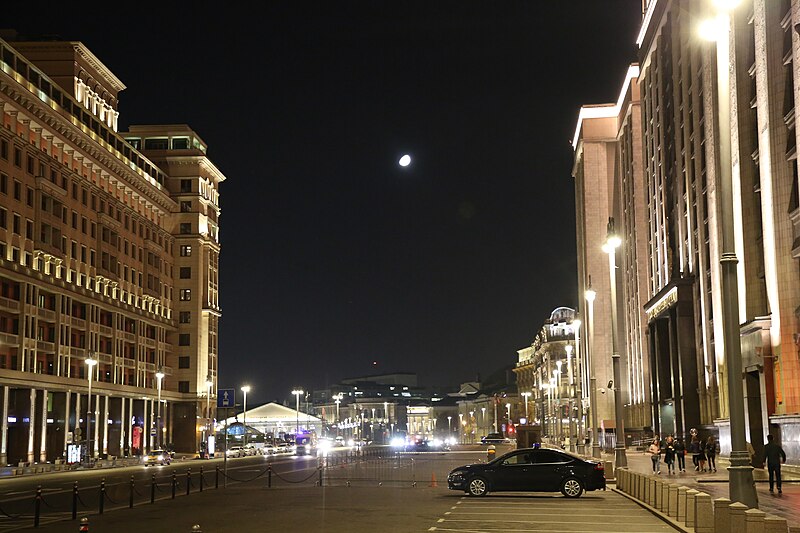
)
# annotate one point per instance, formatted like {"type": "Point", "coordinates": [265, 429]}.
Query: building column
{"type": "Point", "coordinates": [31, 425]}
{"type": "Point", "coordinates": [43, 447]}
{"type": "Point", "coordinates": [122, 427]}
{"type": "Point", "coordinates": [4, 429]}
{"type": "Point", "coordinates": [67, 400]}
{"type": "Point", "coordinates": [96, 425]}
{"type": "Point", "coordinates": [129, 424]}
{"type": "Point", "coordinates": [105, 424]}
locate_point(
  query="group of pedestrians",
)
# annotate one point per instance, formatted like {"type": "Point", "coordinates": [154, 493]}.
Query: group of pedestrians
{"type": "Point", "coordinates": [674, 451]}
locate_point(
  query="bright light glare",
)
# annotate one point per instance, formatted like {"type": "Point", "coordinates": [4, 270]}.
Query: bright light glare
{"type": "Point", "coordinates": [351, 442]}
{"type": "Point", "coordinates": [590, 295]}
{"type": "Point", "coordinates": [398, 442]}
{"type": "Point", "coordinates": [405, 160]}
{"type": "Point", "coordinates": [711, 29]}
{"type": "Point", "coordinates": [726, 5]}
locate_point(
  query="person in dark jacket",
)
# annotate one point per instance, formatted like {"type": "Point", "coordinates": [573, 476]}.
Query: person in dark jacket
{"type": "Point", "coordinates": [696, 449]}
{"type": "Point", "coordinates": [711, 454]}
{"type": "Point", "coordinates": [680, 454]}
{"type": "Point", "coordinates": [774, 456]}
{"type": "Point", "coordinates": [669, 454]}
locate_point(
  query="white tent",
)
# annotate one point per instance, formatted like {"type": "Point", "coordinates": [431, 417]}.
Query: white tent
{"type": "Point", "coordinates": [276, 418]}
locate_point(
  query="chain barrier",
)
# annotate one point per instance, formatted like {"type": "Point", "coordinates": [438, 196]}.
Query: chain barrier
{"type": "Point", "coordinates": [12, 517]}
{"type": "Point", "coordinates": [81, 500]}
{"type": "Point", "coordinates": [314, 473]}
{"type": "Point", "coordinates": [45, 502]}
{"type": "Point", "coordinates": [110, 499]}
{"type": "Point", "coordinates": [244, 480]}
{"type": "Point", "coordinates": [136, 491]}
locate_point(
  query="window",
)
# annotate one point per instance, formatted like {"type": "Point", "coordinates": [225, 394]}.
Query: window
{"type": "Point", "coordinates": [3, 218]}
{"type": "Point", "coordinates": [180, 143]}
{"type": "Point", "coordinates": [183, 339]}
{"type": "Point", "coordinates": [29, 164]}
{"type": "Point", "coordinates": [29, 229]}
{"type": "Point", "coordinates": [185, 317]}
{"type": "Point", "coordinates": [183, 386]}
{"type": "Point", "coordinates": [29, 197]}
{"type": "Point", "coordinates": [186, 295]}
{"type": "Point", "coordinates": [519, 459]}
{"type": "Point", "coordinates": [4, 149]}
{"type": "Point", "coordinates": [17, 190]}
{"type": "Point", "coordinates": [17, 157]}
{"type": "Point", "coordinates": [184, 361]}
{"type": "Point", "coordinates": [186, 207]}
{"type": "Point", "coordinates": [3, 184]}
{"type": "Point", "coordinates": [185, 228]}
{"type": "Point", "coordinates": [186, 250]}
{"type": "Point", "coordinates": [16, 224]}
{"type": "Point", "coordinates": [186, 185]}
{"type": "Point", "coordinates": [547, 456]}
{"type": "Point", "coordinates": [186, 272]}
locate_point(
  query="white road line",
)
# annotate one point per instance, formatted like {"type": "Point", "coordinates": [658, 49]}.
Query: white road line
{"type": "Point", "coordinates": [627, 522]}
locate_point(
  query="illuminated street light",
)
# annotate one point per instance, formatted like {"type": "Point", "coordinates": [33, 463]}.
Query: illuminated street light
{"type": "Point", "coordinates": [159, 377]}
{"type": "Point", "coordinates": [526, 395]}
{"type": "Point", "coordinates": [613, 242]}
{"type": "Point", "coordinates": [297, 393]}
{"type": "Point", "coordinates": [209, 419]}
{"type": "Point", "coordinates": [590, 295]}
{"type": "Point", "coordinates": [740, 473]}
{"type": "Point", "coordinates": [91, 361]}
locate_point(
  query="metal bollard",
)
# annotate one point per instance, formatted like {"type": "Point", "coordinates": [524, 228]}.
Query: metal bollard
{"type": "Point", "coordinates": [84, 524]}
{"type": "Point", "coordinates": [102, 496]}
{"type": "Point", "coordinates": [216, 477]}
{"type": "Point", "coordinates": [130, 496]}
{"type": "Point", "coordinates": [201, 479]}
{"type": "Point", "coordinates": [37, 505]}
{"type": "Point", "coordinates": [153, 489]}
{"type": "Point", "coordinates": [75, 500]}
{"type": "Point", "coordinates": [174, 483]}
{"type": "Point", "coordinates": [196, 529]}
{"type": "Point", "coordinates": [188, 480]}
{"type": "Point", "coordinates": [269, 477]}
{"type": "Point", "coordinates": [320, 475]}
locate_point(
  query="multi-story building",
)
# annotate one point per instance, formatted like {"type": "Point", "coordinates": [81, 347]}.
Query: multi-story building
{"type": "Point", "coordinates": [109, 250]}
{"type": "Point", "coordinates": [659, 176]}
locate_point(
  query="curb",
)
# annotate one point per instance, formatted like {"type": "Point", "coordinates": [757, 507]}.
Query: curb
{"type": "Point", "coordinates": [666, 519]}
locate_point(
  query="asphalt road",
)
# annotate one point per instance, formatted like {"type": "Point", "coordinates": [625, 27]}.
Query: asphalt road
{"type": "Point", "coordinates": [401, 493]}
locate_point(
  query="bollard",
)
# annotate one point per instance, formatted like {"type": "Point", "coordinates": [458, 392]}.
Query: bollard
{"type": "Point", "coordinates": [754, 520]}
{"type": "Point", "coordinates": [216, 478]}
{"type": "Point", "coordinates": [794, 529]}
{"type": "Point", "coordinates": [174, 483]}
{"type": "Point", "coordinates": [703, 514]}
{"type": "Point", "coordinates": [672, 504]}
{"type": "Point", "coordinates": [690, 497]}
{"type": "Point", "coordinates": [130, 500]}
{"type": "Point", "coordinates": [102, 496]}
{"type": "Point", "coordinates": [737, 510]}
{"type": "Point", "coordinates": [775, 524]}
{"type": "Point", "coordinates": [188, 480]}
{"type": "Point", "coordinates": [682, 503]}
{"type": "Point", "coordinates": [722, 514]}
{"type": "Point", "coordinates": [196, 529]}
{"type": "Point", "coordinates": [37, 505]}
{"type": "Point", "coordinates": [269, 476]}
{"type": "Point", "coordinates": [658, 500]}
{"type": "Point", "coordinates": [153, 489]}
{"type": "Point", "coordinates": [491, 452]}
{"type": "Point", "coordinates": [75, 500]}
{"type": "Point", "coordinates": [652, 495]}
{"type": "Point", "coordinates": [320, 475]}
{"type": "Point", "coordinates": [201, 479]}
{"type": "Point", "coordinates": [84, 524]}
{"type": "Point", "coordinates": [639, 488]}
{"type": "Point", "coordinates": [664, 497]}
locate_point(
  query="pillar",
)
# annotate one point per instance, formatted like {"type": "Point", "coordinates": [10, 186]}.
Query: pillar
{"type": "Point", "coordinates": [737, 516]}
{"type": "Point", "coordinates": [672, 508]}
{"type": "Point", "coordinates": [754, 520]}
{"type": "Point", "coordinates": [665, 497]}
{"type": "Point", "coordinates": [4, 429]}
{"type": "Point", "coordinates": [658, 490]}
{"type": "Point", "coordinates": [105, 424]}
{"type": "Point", "coordinates": [67, 401]}
{"type": "Point", "coordinates": [722, 514]}
{"type": "Point", "coordinates": [96, 423]}
{"type": "Point", "coordinates": [775, 524]}
{"type": "Point", "coordinates": [32, 425]}
{"type": "Point", "coordinates": [129, 424]}
{"type": "Point", "coordinates": [43, 440]}
{"type": "Point", "coordinates": [122, 426]}
{"type": "Point", "coordinates": [690, 497]}
{"type": "Point", "coordinates": [703, 514]}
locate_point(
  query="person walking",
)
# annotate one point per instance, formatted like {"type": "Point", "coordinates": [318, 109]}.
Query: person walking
{"type": "Point", "coordinates": [774, 456]}
{"type": "Point", "coordinates": [680, 454]}
{"type": "Point", "coordinates": [669, 454]}
{"type": "Point", "coordinates": [655, 455]}
{"type": "Point", "coordinates": [694, 449]}
{"type": "Point", "coordinates": [711, 453]}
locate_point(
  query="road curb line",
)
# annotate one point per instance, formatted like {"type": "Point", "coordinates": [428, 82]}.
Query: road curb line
{"type": "Point", "coordinates": [666, 519]}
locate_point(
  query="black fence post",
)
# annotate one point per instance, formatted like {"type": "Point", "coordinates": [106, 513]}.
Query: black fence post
{"type": "Point", "coordinates": [174, 483]}
{"type": "Point", "coordinates": [269, 476]}
{"type": "Point", "coordinates": [216, 478]}
{"type": "Point", "coordinates": [84, 524]}
{"type": "Point", "coordinates": [319, 467]}
{"type": "Point", "coordinates": [188, 480]}
{"type": "Point", "coordinates": [153, 489]}
{"type": "Point", "coordinates": [102, 495]}
{"type": "Point", "coordinates": [75, 500]}
{"type": "Point", "coordinates": [130, 500]}
{"type": "Point", "coordinates": [201, 479]}
{"type": "Point", "coordinates": [37, 505]}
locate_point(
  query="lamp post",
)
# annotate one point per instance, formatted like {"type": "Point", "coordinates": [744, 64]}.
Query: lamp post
{"type": "Point", "coordinates": [245, 389]}
{"type": "Point", "coordinates": [337, 399]}
{"type": "Point", "coordinates": [159, 377]}
{"type": "Point", "coordinates": [449, 429]}
{"type": "Point", "coordinates": [740, 473]}
{"type": "Point", "coordinates": [590, 295]}
{"type": "Point", "coordinates": [526, 395]}
{"type": "Point", "coordinates": [559, 417]}
{"type": "Point", "coordinates": [483, 419]}
{"type": "Point", "coordinates": [508, 417]}
{"type": "Point", "coordinates": [550, 391]}
{"type": "Point", "coordinates": [91, 361]}
{"type": "Point", "coordinates": [613, 242]}
{"type": "Point", "coordinates": [570, 398]}
{"type": "Point", "coordinates": [385, 420]}
{"type": "Point", "coordinates": [209, 420]}
{"type": "Point", "coordinates": [579, 372]}
{"type": "Point", "coordinates": [297, 393]}
{"type": "Point", "coordinates": [461, 428]}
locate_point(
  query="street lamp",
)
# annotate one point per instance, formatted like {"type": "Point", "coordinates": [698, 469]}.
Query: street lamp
{"type": "Point", "coordinates": [159, 377]}
{"type": "Point", "coordinates": [337, 399]}
{"type": "Point", "coordinates": [590, 295]}
{"type": "Point", "coordinates": [245, 389]}
{"type": "Point", "coordinates": [559, 419]}
{"type": "Point", "coordinates": [580, 369]}
{"type": "Point", "coordinates": [526, 395]}
{"type": "Point", "coordinates": [613, 242]}
{"type": "Point", "coordinates": [483, 418]}
{"type": "Point", "coordinates": [297, 393]}
{"type": "Point", "coordinates": [740, 473]}
{"type": "Point", "coordinates": [91, 361]}
{"type": "Point", "coordinates": [570, 398]}
{"type": "Point", "coordinates": [449, 429]}
{"type": "Point", "coordinates": [207, 431]}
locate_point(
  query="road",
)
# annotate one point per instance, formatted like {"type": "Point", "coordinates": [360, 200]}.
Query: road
{"type": "Point", "coordinates": [397, 493]}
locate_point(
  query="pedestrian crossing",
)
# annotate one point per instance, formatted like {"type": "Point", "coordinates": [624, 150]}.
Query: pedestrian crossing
{"type": "Point", "coordinates": [593, 512]}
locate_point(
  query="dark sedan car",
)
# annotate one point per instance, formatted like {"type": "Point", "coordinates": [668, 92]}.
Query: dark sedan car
{"type": "Point", "coordinates": [531, 470]}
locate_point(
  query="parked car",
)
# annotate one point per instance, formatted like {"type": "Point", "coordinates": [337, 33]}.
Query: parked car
{"type": "Point", "coordinates": [235, 451]}
{"type": "Point", "coordinates": [339, 441]}
{"type": "Point", "coordinates": [531, 470]}
{"type": "Point", "coordinates": [157, 457]}
{"type": "Point", "coordinates": [494, 438]}
{"type": "Point", "coordinates": [251, 449]}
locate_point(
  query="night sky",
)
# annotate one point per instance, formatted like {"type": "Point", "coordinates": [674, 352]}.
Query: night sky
{"type": "Point", "coordinates": [333, 256]}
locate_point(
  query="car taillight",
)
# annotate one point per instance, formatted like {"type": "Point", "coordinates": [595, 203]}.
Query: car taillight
{"type": "Point", "coordinates": [599, 466]}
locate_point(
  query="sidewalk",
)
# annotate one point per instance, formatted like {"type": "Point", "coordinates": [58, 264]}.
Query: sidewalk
{"type": "Point", "coordinates": [36, 469]}
{"type": "Point", "coordinates": [786, 505]}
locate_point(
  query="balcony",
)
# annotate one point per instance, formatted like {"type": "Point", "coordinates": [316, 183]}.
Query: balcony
{"type": "Point", "coordinates": [105, 330]}
{"type": "Point", "coordinates": [130, 337]}
{"type": "Point", "coordinates": [44, 346]}
{"type": "Point", "coordinates": [9, 338]}
{"type": "Point", "coordinates": [77, 352]}
{"type": "Point", "coordinates": [77, 322]}
{"type": "Point", "coordinates": [46, 314]}
{"type": "Point", "coordinates": [7, 304]}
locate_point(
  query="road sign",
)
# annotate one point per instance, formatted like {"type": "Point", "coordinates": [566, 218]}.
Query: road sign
{"type": "Point", "coordinates": [226, 397]}
{"type": "Point", "coordinates": [153, 432]}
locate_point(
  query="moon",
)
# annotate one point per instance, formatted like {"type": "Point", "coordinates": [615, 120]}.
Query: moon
{"type": "Point", "coordinates": [405, 160]}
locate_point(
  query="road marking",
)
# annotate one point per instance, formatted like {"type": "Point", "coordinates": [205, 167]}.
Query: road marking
{"type": "Point", "coordinates": [587, 522]}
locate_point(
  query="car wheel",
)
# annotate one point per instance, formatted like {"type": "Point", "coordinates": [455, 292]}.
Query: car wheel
{"type": "Point", "coordinates": [571, 488]}
{"type": "Point", "coordinates": [477, 487]}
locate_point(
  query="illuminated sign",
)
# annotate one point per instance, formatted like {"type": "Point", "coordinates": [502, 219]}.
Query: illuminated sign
{"type": "Point", "coordinates": [663, 303]}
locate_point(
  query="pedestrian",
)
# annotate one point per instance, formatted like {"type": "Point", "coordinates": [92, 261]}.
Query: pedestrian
{"type": "Point", "coordinates": [694, 449]}
{"type": "Point", "coordinates": [680, 454]}
{"type": "Point", "coordinates": [655, 455]}
{"type": "Point", "coordinates": [711, 453]}
{"type": "Point", "coordinates": [774, 456]}
{"type": "Point", "coordinates": [669, 454]}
